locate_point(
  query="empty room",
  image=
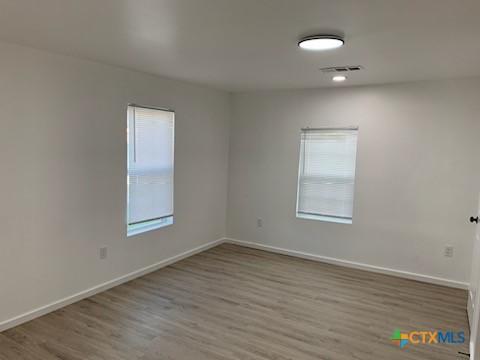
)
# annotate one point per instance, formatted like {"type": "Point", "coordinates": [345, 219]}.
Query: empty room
{"type": "Point", "coordinates": [240, 179]}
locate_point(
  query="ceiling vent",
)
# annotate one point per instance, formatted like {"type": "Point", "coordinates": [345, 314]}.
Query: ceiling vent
{"type": "Point", "coordinates": [341, 69]}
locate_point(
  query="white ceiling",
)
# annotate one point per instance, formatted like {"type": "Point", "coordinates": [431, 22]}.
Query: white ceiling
{"type": "Point", "coordinates": [251, 44]}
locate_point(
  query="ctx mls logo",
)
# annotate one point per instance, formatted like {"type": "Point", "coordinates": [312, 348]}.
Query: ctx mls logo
{"type": "Point", "coordinates": [402, 339]}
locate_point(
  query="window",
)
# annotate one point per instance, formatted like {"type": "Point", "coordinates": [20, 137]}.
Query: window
{"type": "Point", "coordinates": [150, 169]}
{"type": "Point", "coordinates": [327, 174]}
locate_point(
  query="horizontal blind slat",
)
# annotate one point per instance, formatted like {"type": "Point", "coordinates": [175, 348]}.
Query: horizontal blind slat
{"type": "Point", "coordinates": [327, 172]}
{"type": "Point", "coordinates": [150, 164]}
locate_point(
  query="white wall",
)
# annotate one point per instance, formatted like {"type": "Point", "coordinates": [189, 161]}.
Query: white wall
{"type": "Point", "coordinates": [64, 173]}
{"type": "Point", "coordinates": [417, 173]}
{"type": "Point", "coordinates": [63, 166]}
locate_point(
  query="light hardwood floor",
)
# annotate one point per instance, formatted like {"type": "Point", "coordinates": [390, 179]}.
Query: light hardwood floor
{"type": "Point", "coordinates": [237, 303]}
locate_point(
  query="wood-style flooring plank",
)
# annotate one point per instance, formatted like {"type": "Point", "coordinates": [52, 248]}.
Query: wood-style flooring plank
{"type": "Point", "coordinates": [235, 303]}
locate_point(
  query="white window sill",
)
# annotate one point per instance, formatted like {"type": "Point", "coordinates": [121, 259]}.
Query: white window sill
{"type": "Point", "coordinates": [331, 219]}
{"type": "Point", "coordinates": [137, 229]}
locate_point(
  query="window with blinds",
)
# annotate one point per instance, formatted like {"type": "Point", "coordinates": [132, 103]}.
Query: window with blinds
{"type": "Point", "coordinates": [327, 174]}
{"type": "Point", "coordinates": [150, 169]}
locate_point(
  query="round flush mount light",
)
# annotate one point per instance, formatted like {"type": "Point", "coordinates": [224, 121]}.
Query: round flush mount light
{"type": "Point", "coordinates": [339, 78]}
{"type": "Point", "coordinates": [321, 42]}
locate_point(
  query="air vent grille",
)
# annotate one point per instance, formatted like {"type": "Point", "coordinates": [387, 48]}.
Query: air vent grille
{"type": "Point", "coordinates": [341, 69]}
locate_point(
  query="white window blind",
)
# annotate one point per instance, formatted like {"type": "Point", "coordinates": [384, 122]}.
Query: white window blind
{"type": "Point", "coordinates": [327, 173]}
{"type": "Point", "coordinates": [150, 165]}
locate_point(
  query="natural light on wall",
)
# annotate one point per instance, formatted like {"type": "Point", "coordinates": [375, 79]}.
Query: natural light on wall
{"type": "Point", "coordinates": [327, 174]}
{"type": "Point", "coordinates": [150, 169]}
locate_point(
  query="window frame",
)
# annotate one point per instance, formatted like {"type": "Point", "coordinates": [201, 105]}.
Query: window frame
{"type": "Point", "coordinates": [153, 224]}
{"type": "Point", "coordinates": [301, 154]}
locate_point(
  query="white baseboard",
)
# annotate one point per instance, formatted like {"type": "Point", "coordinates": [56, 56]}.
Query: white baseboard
{"type": "Point", "coordinates": [352, 264]}
{"type": "Point", "coordinates": [30, 315]}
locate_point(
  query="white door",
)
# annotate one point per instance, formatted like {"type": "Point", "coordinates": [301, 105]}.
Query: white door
{"type": "Point", "coordinates": [473, 296]}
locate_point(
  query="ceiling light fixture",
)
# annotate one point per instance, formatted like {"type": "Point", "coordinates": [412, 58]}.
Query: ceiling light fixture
{"type": "Point", "coordinates": [321, 42]}
{"type": "Point", "coordinates": [339, 78]}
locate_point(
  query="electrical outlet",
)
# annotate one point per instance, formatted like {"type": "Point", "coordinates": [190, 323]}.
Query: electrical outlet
{"type": "Point", "coordinates": [103, 253]}
{"type": "Point", "coordinates": [448, 251]}
{"type": "Point", "coordinates": [259, 222]}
